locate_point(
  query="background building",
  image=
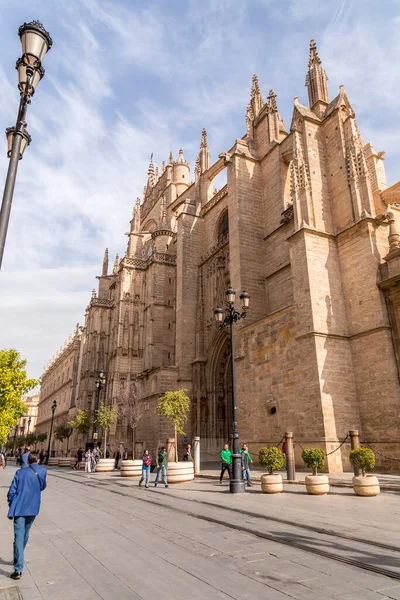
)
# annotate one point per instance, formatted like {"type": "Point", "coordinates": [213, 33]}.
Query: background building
{"type": "Point", "coordinates": [302, 225]}
{"type": "Point", "coordinates": [27, 423]}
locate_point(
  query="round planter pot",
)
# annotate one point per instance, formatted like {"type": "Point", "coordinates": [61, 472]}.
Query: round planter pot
{"type": "Point", "coordinates": [180, 472]}
{"type": "Point", "coordinates": [367, 485]}
{"type": "Point", "coordinates": [317, 484]}
{"type": "Point", "coordinates": [105, 464]}
{"type": "Point", "coordinates": [64, 462]}
{"type": "Point", "coordinates": [53, 461]}
{"type": "Point", "coordinates": [271, 484]}
{"type": "Point", "coordinates": [130, 468]}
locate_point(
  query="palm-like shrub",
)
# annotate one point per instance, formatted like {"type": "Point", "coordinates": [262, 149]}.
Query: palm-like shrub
{"type": "Point", "coordinates": [271, 458]}
{"type": "Point", "coordinates": [363, 458]}
{"type": "Point", "coordinates": [314, 458]}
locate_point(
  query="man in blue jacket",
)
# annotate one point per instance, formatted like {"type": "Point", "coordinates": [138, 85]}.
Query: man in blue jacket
{"type": "Point", "coordinates": [24, 504]}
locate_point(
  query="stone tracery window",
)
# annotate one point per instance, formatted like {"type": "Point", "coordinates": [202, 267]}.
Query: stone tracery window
{"type": "Point", "coordinates": [223, 227]}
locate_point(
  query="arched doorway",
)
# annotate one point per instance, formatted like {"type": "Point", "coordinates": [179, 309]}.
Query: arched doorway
{"type": "Point", "coordinates": [216, 406]}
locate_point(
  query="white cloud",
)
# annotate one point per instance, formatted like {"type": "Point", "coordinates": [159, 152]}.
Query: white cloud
{"type": "Point", "coordinates": [125, 79]}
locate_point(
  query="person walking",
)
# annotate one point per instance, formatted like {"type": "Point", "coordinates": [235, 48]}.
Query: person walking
{"type": "Point", "coordinates": [24, 504]}
{"type": "Point", "coordinates": [226, 458]}
{"type": "Point", "coordinates": [146, 464]}
{"type": "Point", "coordinates": [41, 457]}
{"type": "Point", "coordinates": [162, 466]}
{"type": "Point", "coordinates": [23, 458]}
{"type": "Point", "coordinates": [88, 461]}
{"type": "Point", "coordinates": [246, 460]}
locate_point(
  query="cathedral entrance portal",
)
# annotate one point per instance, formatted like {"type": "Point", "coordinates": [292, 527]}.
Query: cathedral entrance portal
{"type": "Point", "coordinates": [216, 407]}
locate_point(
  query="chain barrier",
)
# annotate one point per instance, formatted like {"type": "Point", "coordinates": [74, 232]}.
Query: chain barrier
{"type": "Point", "coordinates": [328, 453]}
{"type": "Point", "coordinates": [378, 452]}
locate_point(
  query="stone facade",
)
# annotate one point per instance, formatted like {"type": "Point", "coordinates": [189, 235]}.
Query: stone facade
{"type": "Point", "coordinates": [302, 226]}
{"type": "Point", "coordinates": [59, 383]}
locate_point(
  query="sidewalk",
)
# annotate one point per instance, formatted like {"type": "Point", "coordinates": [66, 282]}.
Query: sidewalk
{"type": "Point", "coordinates": [390, 482]}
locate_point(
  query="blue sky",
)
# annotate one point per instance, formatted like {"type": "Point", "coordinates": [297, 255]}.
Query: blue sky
{"type": "Point", "coordinates": [127, 78]}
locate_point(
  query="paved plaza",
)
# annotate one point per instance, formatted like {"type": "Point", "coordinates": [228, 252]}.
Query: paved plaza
{"type": "Point", "coordinates": [101, 536]}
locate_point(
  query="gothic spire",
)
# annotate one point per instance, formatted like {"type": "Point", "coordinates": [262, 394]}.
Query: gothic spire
{"type": "Point", "coordinates": [105, 263]}
{"type": "Point", "coordinates": [171, 158]}
{"type": "Point", "coordinates": [116, 263]}
{"type": "Point", "coordinates": [136, 216]}
{"type": "Point", "coordinates": [150, 173]}
{"type": "Point", "coordinates": [204, 155]}
{"type": "Point", "coordinates": [256, 100]}
{"type": "Point", "coordinates": [271, 101]}
{"type": "Point", "coordinates": [316, 79]}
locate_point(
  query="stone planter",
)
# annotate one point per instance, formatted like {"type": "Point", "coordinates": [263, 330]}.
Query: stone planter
{"type": "Point", "coordinates": [105, 464]}
{"type": "Point", "coordinates": [317, 484]}
{"type": "Point", "coordinates": [64, 462]}
{"type": "Point", "coordinates": [180, 472]}
{"type": "Point", "coordinates": [271, 484]}
{"type": "Point", "coordinates": [53, 461]}
{"type": "Point", "coordinates": [130, 468]}
{"type": "Point", "coordinates": [367, 485]}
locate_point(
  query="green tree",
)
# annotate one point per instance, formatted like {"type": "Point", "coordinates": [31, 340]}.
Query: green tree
{"type": "Point", "coordinates": [31, 439]}
{"type": "Point", "coordinates": [106, 416]}
{"type": "Point", "coordinates": [174, 405]}
{"type": "Point", "coordinates": [63, 432]}
{"type": "Point", "coordinates": [13, 384]}
{"type": "Point", "coordinates": [82, 421]}
{"type": "Point", "coordinates": [41, 438]}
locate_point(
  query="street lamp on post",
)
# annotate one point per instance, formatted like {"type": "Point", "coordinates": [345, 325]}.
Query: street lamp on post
{"type": "Point", "coordinates": [100, 383]}
{"type": "Point", "coordinates": [53, 410]}
{"type": "Point", "coordinates": [29, 424]}
{"type": "Point", "coordinates": [35, 41]}
{"type": "Point", "coordinates": [226, 318]}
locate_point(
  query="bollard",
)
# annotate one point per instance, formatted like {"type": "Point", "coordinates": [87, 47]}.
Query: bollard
{"type": "Point", "coordinates": [290, 466]}
{"type": "Point", "coordinates": [171, 450]}
{"type": "Point", "coordinates": [354, 444]}
{"type": "Point", "coordinates": [196, 455]}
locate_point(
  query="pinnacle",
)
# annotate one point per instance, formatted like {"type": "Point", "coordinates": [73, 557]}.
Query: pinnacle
{"type": "Point", "coordinates": [255, 88]}
{"type": "Point", "coordinates": [171, 158]}
{"type": "Point", "coordinates": [314, 58]}
{"type": "Point", "coordinates": [204, 142]}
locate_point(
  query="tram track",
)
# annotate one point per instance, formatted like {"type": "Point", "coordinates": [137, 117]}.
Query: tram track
{"type": "Point", "coordinates": [255, 526]}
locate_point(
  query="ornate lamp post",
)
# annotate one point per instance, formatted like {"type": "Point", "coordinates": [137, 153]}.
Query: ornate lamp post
{"type": "Point", "coordinates": [35, 41]}
{"type": "Point", "coordinates": [53, 410]}
{"type": "Point", "coordinates": [100, 383]}
{"type": "Point", "coordinates": [29, 424]}
{"type": "Point", "coordinates": [226, 318]}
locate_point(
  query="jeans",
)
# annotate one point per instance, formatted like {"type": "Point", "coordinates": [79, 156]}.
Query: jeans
{"type": "Point", "coordinates": [224, 468]}
{"type": "Point", "coordinates": [145, 475]}
{"type": "Point", "coordinates": [246, 475]}
{"type": "Point", "coordinates": [162, 470]}
{"type": "Point", "coordinates": [22, 526]}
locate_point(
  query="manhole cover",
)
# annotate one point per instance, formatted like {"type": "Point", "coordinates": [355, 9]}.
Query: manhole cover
{"type": "Point", "coordinates": [11, 593]}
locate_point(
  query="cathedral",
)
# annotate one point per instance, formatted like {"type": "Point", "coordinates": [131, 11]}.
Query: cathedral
{"type": "Point", "coordinates": [307, 226]}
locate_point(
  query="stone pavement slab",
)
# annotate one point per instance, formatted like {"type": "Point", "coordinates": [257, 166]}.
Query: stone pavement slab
{"type": "Point", "coordinates": [100, 536]}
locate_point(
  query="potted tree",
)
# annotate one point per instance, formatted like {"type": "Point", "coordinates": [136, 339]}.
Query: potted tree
{"type": "Point", "coordinates": [174, 406]}
{"type": "Point", "coordinates": [272, 459]}
{"type": "Point", "coordinates": [364, 459]}
{"type": "Point", "coordinates": [131, 411]}
{"type": "Point", "coordinates": [106, 416]}
{"type": "Point", "coordinates": [314, 458]}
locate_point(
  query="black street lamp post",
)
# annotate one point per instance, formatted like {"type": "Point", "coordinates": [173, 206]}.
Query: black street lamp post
{"type": "Point", "coordinates": [53, 410]}
{"type": "Point", "coordinates": [29, 424]}
{"type": "Point", "coordinates": [226, 318]}
{"type": "Point", "coordinates": [35, 41]}
{"type": "Point", "coordinates": [100, 383]}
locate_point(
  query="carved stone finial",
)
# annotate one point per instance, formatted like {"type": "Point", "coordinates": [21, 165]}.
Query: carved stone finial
{"type": "Point", "coordinates": [171, 158]}
{"type": "Point", "coordinates": [181, 159]}
{"type": "Point", "coordinates": [314, 58]}
{"type": "Point", "coordinates": [93, 293]}
{"type": "Point", "coordinates": [116, 263]}
{"type": "Point", "coordinates": [271, 99]}
{"type": "Point", "coordinates": [204, 142]}
{"type": "Point", "coordinates": [255, 88]}
{"type": "Point", "coordinates": [163, 166]}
